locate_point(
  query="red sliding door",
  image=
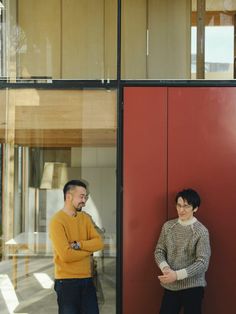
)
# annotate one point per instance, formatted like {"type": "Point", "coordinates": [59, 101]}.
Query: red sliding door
{"type": "Point", "coordinates": [176, 138]}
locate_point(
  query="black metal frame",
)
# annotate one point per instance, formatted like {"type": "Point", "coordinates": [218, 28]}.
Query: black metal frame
{"type": "Point", "coordinates": [57, 84]}
{"type": "Point", "coordinates": [1, 152]}
{"type": "Point", "coordinates": [119, 173]}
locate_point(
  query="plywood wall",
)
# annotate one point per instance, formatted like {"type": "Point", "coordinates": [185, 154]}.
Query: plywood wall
{"type": "Point", "coordinates": [62, 118]}
{"type": "Point", "coordinates": [67, 39]}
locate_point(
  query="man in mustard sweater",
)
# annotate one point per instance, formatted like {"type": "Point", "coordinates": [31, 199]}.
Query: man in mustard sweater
{"type": "Point", "coordinates": [74, 239]}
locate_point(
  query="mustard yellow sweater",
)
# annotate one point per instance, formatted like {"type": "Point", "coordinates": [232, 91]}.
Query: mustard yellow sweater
{"type": "Point", "coordinates": [63, 230]}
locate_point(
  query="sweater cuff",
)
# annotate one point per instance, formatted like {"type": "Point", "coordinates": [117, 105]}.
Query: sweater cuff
{"type": "Point", "coordinates": [162, 265]}
{"type": "Point", "coordinates": [181, 274]}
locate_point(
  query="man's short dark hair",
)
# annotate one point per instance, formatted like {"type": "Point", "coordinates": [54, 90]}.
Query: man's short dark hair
{"type": "Point", "coordinates": [70, 185]}
{"type": "Point", "coordinates": [189, 195]}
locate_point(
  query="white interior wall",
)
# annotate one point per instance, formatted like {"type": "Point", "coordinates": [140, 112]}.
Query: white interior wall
{"type": "Point", "coordinates": [97, 166]}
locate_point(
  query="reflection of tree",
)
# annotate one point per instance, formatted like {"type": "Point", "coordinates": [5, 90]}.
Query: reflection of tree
{"type": "Point", "coordinates": [1, 7]}
{"type": "Point", "coordinates": [17, 45]}
{"type": "Point", "coordinates": [18, 40]}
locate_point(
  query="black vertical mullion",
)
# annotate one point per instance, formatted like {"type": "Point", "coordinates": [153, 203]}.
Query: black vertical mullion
{"type": "Point", "coordinates": [119, 172]}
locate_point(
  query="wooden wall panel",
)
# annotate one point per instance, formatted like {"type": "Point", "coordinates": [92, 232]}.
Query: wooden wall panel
{"type": "Point", "coordinates": [66, 138]}
{"type": "Point", "coordinates": [83, 39]}
{"type": "Point", "coordinates": [110, 55]}
{"type": "Point", "coordinates": [62, 118]}
{"type": "Point", "coordinates": [134, 44]}
{"type": "Point", "coordinates": [38, 38]}
{"type": "Point", "coordinates": [66, 109]}
{"type": "Point", "coordinates": [69, 39]}
{"type": "Point", "coordinates": [169, 25]}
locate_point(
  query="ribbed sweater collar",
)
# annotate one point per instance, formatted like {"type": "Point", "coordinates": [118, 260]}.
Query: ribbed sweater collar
{"type": "Point", "coordinates": [187, 222]}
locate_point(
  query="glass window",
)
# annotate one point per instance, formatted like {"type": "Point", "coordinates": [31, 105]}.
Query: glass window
{"type": "Point", "coordinates": [217, 60]}
{"type": "Point", "coordinates": [171, 43]}
{"type": "Point", "coordinates": [61, 39]}
{"type": "Point", "coordinates": [158, 46]}
{"type": "Point", "coordinates": [52, 136]}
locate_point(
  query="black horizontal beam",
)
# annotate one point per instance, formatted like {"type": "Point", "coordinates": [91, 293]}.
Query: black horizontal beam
{"type": "Point", "coordinates": [44, 83]}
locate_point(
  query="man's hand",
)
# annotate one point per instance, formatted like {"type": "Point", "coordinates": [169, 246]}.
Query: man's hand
{"type": "Point", "coordinates": [166, 270]}
{"type": "Point", "coordinates": [75, 245]}
{"type": "Point", "coordinates": [168, 277]}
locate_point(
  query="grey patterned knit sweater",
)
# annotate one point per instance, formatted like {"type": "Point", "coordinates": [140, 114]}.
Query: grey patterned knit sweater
{"type": "Point", "coordinates": [185, 248]}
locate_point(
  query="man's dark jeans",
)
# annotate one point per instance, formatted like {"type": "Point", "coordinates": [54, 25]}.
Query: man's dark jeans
{"type": "Point", "coordinates": [188, 299]}
{"type": "Point", "coordinates": [76, 296]}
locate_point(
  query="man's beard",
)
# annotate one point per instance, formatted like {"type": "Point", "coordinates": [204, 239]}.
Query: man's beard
{"type": "Point", "coordinates": [80, 206]}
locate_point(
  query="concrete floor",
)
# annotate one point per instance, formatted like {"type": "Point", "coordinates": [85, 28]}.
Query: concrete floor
{"type": "Point", "coordinates": [31, 298]}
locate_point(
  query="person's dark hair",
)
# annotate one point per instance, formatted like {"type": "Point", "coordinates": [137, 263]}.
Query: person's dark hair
{"type": "Point", "coordinates": [70, 185]}
{"type": "Point", "coordinates": [189, 195]}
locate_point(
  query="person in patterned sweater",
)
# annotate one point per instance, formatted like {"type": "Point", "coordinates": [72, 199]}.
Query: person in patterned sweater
{"type": "Point", "coordinates": [183, 253]}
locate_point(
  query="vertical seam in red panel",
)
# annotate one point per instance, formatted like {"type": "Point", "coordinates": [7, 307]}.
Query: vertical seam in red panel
{"type": "Point", "coordinates": [167, 152]}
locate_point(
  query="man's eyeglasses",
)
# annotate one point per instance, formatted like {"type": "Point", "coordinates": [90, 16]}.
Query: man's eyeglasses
{"type": "Point", "coordinates": [185, 206]}
{"type": "Point", "coordinates": [84, 196]}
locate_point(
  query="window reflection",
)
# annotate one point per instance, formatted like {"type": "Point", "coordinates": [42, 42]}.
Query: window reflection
{"type": "Point", "coordinates": [52, 137]}
{"type": "Point", "coordinates": [75, 39]}
{"type": "Point", "coordinates": [217, 40]}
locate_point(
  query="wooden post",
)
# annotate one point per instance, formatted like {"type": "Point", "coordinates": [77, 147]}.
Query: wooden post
{"type": "Point", "coordinates": [201, 4]}
{"type": "Point", "coordinates": [234, 46]}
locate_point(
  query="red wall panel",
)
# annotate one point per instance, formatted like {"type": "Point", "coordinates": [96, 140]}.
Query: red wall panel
{"type": "Point", "coordinates": [202, 155]}
{"type": "Point", "coordinates": [187, 141]}
{"type": "Point", "coordinates": [144, 208]}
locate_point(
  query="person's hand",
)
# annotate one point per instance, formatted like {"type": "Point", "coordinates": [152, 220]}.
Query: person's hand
{"type": "Point", "coordinates": [168, 277]}
{"type": "Point", "coordinates": [166, 270]}
{"type": "Point", "coordinates": [75, 245]}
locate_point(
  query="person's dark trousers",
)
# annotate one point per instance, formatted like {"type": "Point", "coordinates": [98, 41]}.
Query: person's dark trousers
{"type": "Point", "coordinates": [76, 296]}
{"type": "Point", "coordinates": [188, 299]}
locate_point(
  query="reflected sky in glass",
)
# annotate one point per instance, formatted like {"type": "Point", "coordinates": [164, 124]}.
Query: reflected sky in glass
{"type": "Point", "coordinates": [219, 43]}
